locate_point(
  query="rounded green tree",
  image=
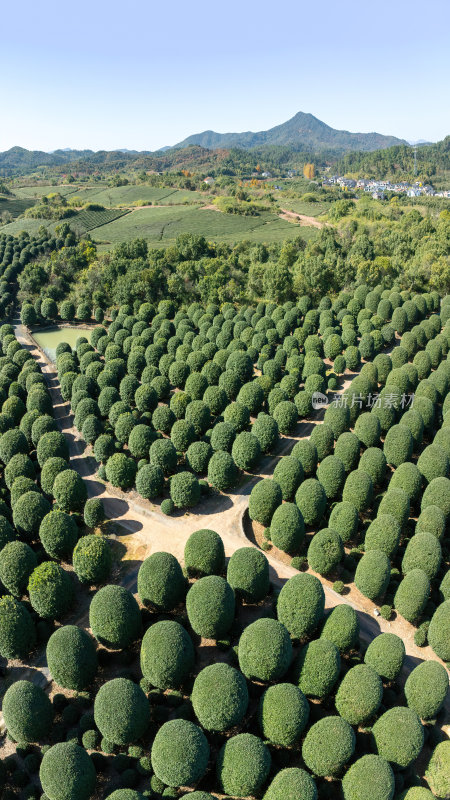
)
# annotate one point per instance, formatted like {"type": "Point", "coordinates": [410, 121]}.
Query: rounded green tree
{"type": "Point", "coordinates": [167, 654]}
{"type": "Point", "coordinates": [72, 658]}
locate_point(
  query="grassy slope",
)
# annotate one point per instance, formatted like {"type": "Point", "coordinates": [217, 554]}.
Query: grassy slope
{"type": "Point", "coordinates": [161, 226]}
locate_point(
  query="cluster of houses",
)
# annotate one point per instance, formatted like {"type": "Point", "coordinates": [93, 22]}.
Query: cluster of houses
{"type": "Point", "coordinates": [378, 189]}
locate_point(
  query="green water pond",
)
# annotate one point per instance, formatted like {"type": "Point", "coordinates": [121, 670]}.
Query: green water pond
{"type": "Point", "coordinates": [50, 339]}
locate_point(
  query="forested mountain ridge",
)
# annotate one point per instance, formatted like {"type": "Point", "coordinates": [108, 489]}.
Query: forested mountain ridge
{"type": "Point", "coordinates": [398, 161]}
{"type": "Point", "coordinates": [303, 131]}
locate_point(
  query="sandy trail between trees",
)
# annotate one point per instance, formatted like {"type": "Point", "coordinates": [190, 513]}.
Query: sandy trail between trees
{"type": "Point", "coordinates": [144, 530]}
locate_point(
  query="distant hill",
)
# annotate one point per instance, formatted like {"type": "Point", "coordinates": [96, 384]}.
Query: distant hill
{"type": "Point", "coordinates": [397, 163]}
{"type": "Point", "coordinates": [304, 132]}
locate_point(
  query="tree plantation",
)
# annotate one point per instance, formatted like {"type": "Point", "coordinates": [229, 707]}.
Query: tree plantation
{"type": "Point", "coordinates": [224, 516]}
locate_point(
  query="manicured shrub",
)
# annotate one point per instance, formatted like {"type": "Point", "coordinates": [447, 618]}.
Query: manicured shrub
{"type": "Point", "coordinates": [368, 429]}
{"type": "Point", "coordinates": [344, 520]}
{"type": "Point", "coordinates": [198, 456]}
{"type": "Point", "coordinates": [184, 490]}
{"type": "Point", "coordinates": [145, 398]}
{"type": "Point", "coordinates": [331, 474]}
{"type": "Point", "coordinates": [18, 466]}
{"type": "Point", "coordinates": [287, 528]}
{"type": "Point", "coordinates": [114, 617]}
{"type": "Point", "coordinates": [222, 471]}
{"type": "Point", "coordinates": [426, 689]}
{"type": "Point", "coordinates": [341, 627]}
{"type": "Point", "coordinates": [161, 582]}
{"type": "Point", "coordinates": [265, 429]}
{"type": "Point", "coordinates": [369, 771]}
{"type": "Point", "coordinates": [325, 551]}
{"type": "Point", "coordinates": [140, 440]}
{"type": "Point", "coordinates": [265, 650]}
{"type": "Point", "coordinates": [50, 590]}
{"type": "Point", "coordinates": [437, 773]}
{"type": "Point", "coordinates": [167, 507]}
{"type": "Point", "coordinates": [17, 630]}
{"type": "Point", "coordinates": [251, 395]}
{"type": "Point", "coordinates": [69, 491]}
{"type": "Point", "coordinates": [328, 745]}
{"type": "Point", "coordinates": [182, 435]}
{"type": "Point", "coordinates": [383, 534]}
{"type": "Point", "coordinates": [248, 574]}
{"type": "Point", "coordinates": [311, 500]}
{"type": "Point", "coordinates": [291, 783]}
{"type": "Point", "coordinates": [167, 655]}
{"type": "Point", "coordinates": [398, 736]}
{"type": "Point", "coordinates": [121, 470]}
{"type": "Point", "coordinates": [358, 490]}
{"type": "Point", "coordinates": [265, 497]}
{"type": "Point", "coordinates": [27, 712]}
{"type": "Point", "coordinates": [439, 631]}
{"type": "Point", "coordinates": [199, 415]}
{"type": "Point", "coordinates": [52, 467]}
{"type": "Point", "coordinates": [285, 415]}
{"type": "Point", "coordinates": [92, 559]}
{"type": "Point", "coordinates": [180, 753]}
{"type": "Point", "coordinates": [396, 503]}
{"type": "Point", "coordinates": [317, 668]}
{"type": "Point", "coordinates": [322, 437]}
{"type": "Point", "coordinates": [373, 463]}
{"type": "Point", "coordinates": [243, 765]}
{"type": "Point", "coordinates": [237, 415]}
{"type": "Point", "coordinates": [52, 444]}
{"type": "Point", "coordinates": [347, 450]}
{"type": "Point", "coordinates": [437, 493]}
{"type": "Point", "coordinates": [67, 771]}
{"type": "Point", "coordinates": [433, 463]}
{"type": "Point", "coordinates": [12, 442]}
{"type": "Point", "coordinates": [337, 418]}
{"type": "Point", "coordinates": [415, 793]}
{"type": "Point", "coordinates": [444, 587]}
{"type": "Point", "coordinates": [386, 654]}
{"type": "Point", "coordinates": [301, 604]}
{"type": "Point", "coordinates": [204, 553]}
{"type": "Point", "coordinates": [425, 407]}
{"type": "Point", "coordinates": [124, 427]}
{"type": "Point", "coordinates": [72, 658]}
{"type": "Point", "coordinates": [359, 694]}
{"type": "Point", "coordinates": [408, 478]}
{"type": "Point", "coordinates": [283, 713]}
{"type": "Point", "coordinates": [29, 511]}
{"type": "Point", "coordinates": [210, 607]}
{"type": "Point", "coordinates": [128, 794]}
{"type": "Point", "coordinates": [164, 455]}
{"type": "Point", "coordinates": [150, 481]}
{"type": "Point", "coordinates": [121, 711]}
{"type": "Point", "coordinates": [58, 533]}
{"type": "Point", "coordinates": [93, 512]}
{"type": "Point", "coordinates": [306, 452]}
{"type": "Point", "coordinates": [17, 562]}
{"type": "Point", "coordinates": [423, 552]}
{"type": "Point", "coordinates": [373, 574]}
{"type": "Point", "coordinates": [222, 436]}
{"type": "Point", "coordinates": [219, 697]}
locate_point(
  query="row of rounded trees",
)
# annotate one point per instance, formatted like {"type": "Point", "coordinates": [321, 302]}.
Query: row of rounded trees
{"type": "Point", "coordinates": [285, 660]}
{"type": "Point", "coordinates": [339, 475]}
{"type": "Point", "coordinates": [43, 507]}
{"type": "Point", "coordinates": [128, 370]}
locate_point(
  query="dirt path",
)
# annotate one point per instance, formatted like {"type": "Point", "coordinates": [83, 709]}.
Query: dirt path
{"type": "Point", "coordinates": [144, 530]}
{"type": "Point", "coordinates": [302, 219]}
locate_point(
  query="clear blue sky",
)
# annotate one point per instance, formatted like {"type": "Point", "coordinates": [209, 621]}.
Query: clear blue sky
{"type": "Point", "coordinates": [141, 74]}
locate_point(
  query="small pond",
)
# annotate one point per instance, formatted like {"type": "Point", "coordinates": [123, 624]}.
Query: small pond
{"type": "Point", "coordinates": [49, 340]}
